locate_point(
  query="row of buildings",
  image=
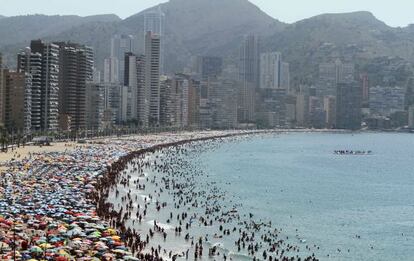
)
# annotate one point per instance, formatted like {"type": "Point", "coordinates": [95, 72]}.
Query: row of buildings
{"type": "Point", "coordinates": [56, 87]}
{"type": "Point", "coordinates": [47, 91]}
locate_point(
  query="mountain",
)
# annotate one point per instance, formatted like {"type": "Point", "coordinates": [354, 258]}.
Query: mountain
{"type": "Point", "coordinates": [206, 27]}
{"type": "Point", "coordinates": [22, 28]}
{"type": "Point", "coordinates": [2, 16]}
{"type": "Point", "coordinates": [216, 27]}
{"type": "Point", "coordinates": [193, 27]}
{"type": "Point", "coordinates": [354, 37]}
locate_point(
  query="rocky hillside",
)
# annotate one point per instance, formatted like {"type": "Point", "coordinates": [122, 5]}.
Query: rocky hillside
{"type": "Point", "coordinates": [355, 37]}
{"type": "Point", "coordinates": [193, 27]}
{"type": "Point", "coordinates": [216, 27]}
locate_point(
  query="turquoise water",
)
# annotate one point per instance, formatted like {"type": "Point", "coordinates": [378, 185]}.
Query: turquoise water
{"type": "Point", "coordinates": [352, 207]}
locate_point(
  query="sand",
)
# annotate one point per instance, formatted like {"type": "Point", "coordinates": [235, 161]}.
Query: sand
{"type": "Point", "coordinates": [22, 152]}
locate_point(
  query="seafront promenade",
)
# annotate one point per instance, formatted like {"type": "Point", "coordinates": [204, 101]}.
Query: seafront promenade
{"type": "Point", "coordinates": [46, 208]}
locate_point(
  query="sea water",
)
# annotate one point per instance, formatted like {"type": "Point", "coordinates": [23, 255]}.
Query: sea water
{"type": "Point", "coordinates": [353, 207]}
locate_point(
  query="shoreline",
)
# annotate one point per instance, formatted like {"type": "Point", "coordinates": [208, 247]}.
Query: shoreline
{"type": "Point", "coordinates": [118, 178]}
{"type": "Point", "coordinates": [81, 168]}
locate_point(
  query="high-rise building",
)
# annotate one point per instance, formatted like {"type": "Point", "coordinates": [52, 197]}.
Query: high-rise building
{"type": "Point", "coordinates": [180, 90]}
{"type": "Point", "coordinates": [222, 99]}
{"type": "Point", "coordinates": [152, 76]}
{"type": "Point", "coordinates": [384, 101]}
{"type": "Point", "coordinates": [111, 70]}
{"type": "Point", "coordinates": [270, 70]}
{"type": "Point", "coordinates": [285, 76]}
{"type": "Point", "coordinates": [76, 70]}
{"type": "Point", "coordinates": [209, 66]}
{"type": "Point", "coordinates": [249, 62]}
{"type": "Point", "coordinates": [154, 21]}
{"type": "Point", "coordinates": [2, 97]}
{"type": "Point", "coordinates": [96, 75]}
{"type": "Point", "coordinates": [41, 60]}
{"type": "Point", "coordinates": [95, 106]}
{"type": "Point", "coordinates": [31, 63]}
{"type": "Point", "coordinates": [348, 106]}
{"type": "Point", "coordinates": [329, 105]}
{"type": "Point", "coordinates": [290, 110]}
{"type": "Point", "coordinates": [330, 74]}
{"type": "Point", "coordinates": [317, 114]}
{"type": "Point", "coordinates": [121, 44]}
{"type": "Point", "coordinates": [167, 116]}
{"type": "Point", "coordinates": [138, 95]}
{"type": "Point", "coordinates": [174, 101]}
{"type": "Point", "coordinates": [205, 120]}
{"type": "Point", "coordinates": [113, 95]}
{"type": "Point", "coordinates": [194, 103]}
{"type": "Point", "coordinates": [18, 102]}
{"type": "Point", "coordinates": [274, 73]}
{"type": "Point", "coordinates": [272, 112]}
{"type": "Point", "coordinates": [302, 106]}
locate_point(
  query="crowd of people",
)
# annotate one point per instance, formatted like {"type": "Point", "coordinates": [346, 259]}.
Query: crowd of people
{"type": "Point", "coordinates": [137, 198]}
{"type": "Point", "coordinates": [189, 210]}
{"type": "Point", "coordinates": [48, 204]}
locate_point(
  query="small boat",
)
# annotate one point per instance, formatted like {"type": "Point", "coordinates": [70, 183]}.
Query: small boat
{"type": "Point", "coordinates": [353, 152]}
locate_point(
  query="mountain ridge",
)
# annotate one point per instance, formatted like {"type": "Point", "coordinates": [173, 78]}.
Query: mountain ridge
{"type": "Point", "coordinates": [217, 27]}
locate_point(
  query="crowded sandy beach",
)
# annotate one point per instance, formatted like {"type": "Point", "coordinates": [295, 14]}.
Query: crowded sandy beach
{"type": "Point", "coordinates": [128, 198]}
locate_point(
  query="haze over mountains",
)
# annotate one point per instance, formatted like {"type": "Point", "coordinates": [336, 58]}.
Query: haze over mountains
{"type": "Point", "coordinates": [216, 27]}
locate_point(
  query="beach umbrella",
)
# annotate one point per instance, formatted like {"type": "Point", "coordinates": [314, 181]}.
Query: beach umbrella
{"type": "Point", "coordinates": [36, 250]}
{"type": "Point", "coordinates": [111, 231]}
{"type": "Point", "coordinates": [116, 238]}
{"type": "Point", "coordinates": [45, 246]}
{"type": "Point", "coordinates": [41, 241]}
{"type": "Point", "coordinates": [4, 246]}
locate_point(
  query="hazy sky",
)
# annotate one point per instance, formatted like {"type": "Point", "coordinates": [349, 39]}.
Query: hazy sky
{"type": "Point", "coordinates": [394, 13]}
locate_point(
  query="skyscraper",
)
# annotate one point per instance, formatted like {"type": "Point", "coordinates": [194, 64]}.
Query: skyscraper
{"type": "Point", "coordinates": [180, 89]}
{"type": "Point", "coordinates": [194, 103]}
{"type": "Point", "coordinates": [18, 102]}
{"type": "Point", "coordinates": [31, 63]}
{"type": "Point", "coordinates": [329, 105]}
{"type": "Point", "coordinates": [121, 44]}
{"type": "Point", "coordinates": [42, 61]}
{"type": "Point", "coordinates": [76, 70]}
{"type": "Point", "coordinates": [274, 73]}
{"type": "Point", "coordinates": [95, 106]}
{"type": "Point", "coordinates": [330, 74]}
{"type": "Point", "coordinates": [348, 106]}
{"type": "Point", "coordinates": [154, 21]}
{"type": "Point", "coordinates": [223, 103]}
{"type": "Point", "coordinates": [2, 97]}
{"type": "Point", "coordinates": [273, 107]}
{"type": "Point", "coordinates": [152, 76]}
{"type": "Point", "coordinates": [384, 101]}
{"type": "Point", "coordinates": [138, 105]}
{"type": "Point", "coordinates": [249, 62]}
{"type": "Point", "coordinates": [209, 66]}
{"type": "Point", "coordinates": [111, 70]}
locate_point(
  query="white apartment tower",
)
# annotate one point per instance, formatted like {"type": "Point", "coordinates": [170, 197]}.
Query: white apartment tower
{"type": "Point", "coordinates": [152, 76]}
